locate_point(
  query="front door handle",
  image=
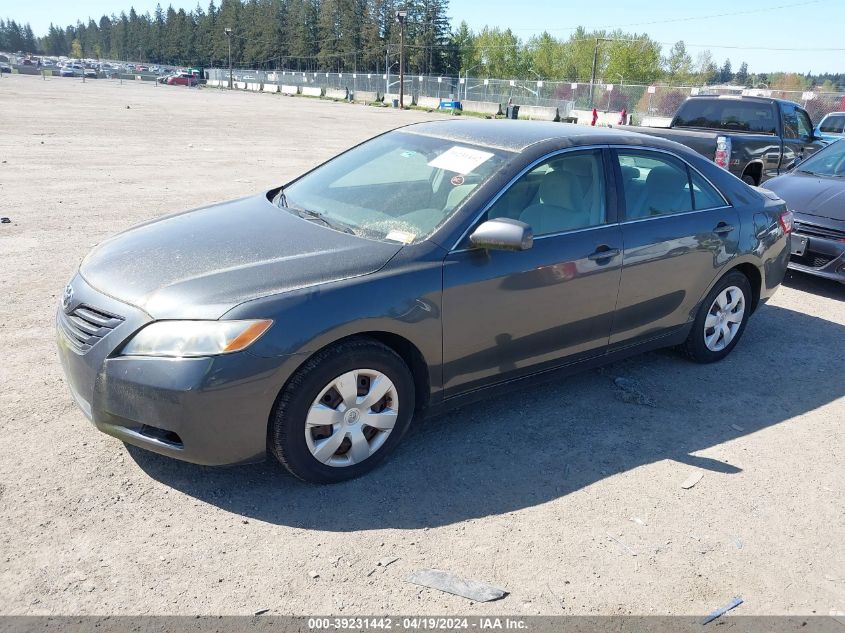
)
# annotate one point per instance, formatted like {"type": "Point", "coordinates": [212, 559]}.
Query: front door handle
{"type": "Point", "coordinates": [723, 227]}
{"type": "Point", "coordinates": [603, 252]}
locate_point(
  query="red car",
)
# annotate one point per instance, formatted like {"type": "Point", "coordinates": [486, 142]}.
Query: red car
{"type": "Point", "coordinates": [182, 79]}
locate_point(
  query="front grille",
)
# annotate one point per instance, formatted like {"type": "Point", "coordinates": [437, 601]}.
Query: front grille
{"type": "Point", "coordinates": [813, 230]}
{"type": "Point", "coordinates": [85, 326]}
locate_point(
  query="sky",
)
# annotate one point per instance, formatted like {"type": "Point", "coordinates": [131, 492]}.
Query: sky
{"type": "Point", "coordinates": [747, 31]}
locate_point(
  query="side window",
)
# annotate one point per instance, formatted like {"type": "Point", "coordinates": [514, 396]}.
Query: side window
{"type": "Point", "coordinates": [805, 127]}
{"type": "Point", "coordinates": [790, 122]}
{"type": "Point", "coordinates": [563, 193]}
{"type": "Point", "coordinates": [654, 184]}
{"type": "Point", "coordinates": [704, 196]}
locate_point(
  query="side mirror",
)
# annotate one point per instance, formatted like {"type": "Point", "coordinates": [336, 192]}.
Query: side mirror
{"type": "Point", "coordinates": [503, 234]}
{"type": "Point", "coordinates": [795, 162]}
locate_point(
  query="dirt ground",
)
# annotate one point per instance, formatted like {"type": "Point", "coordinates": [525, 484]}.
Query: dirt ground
{"type": "Point", "coordinates": [566, 495]}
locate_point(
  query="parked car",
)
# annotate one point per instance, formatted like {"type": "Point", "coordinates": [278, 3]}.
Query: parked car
{"type": "Point", "coordinates": [427, 267]}
{"type": "Point", "coordinates": [90, 73]}
{"type": "Point", "coordinates": [831, 127]}
{"type": "Point", "coordinates": [755, 138]}
{"type": "Point", "coordinates": [68, 71]}
{"type": "Point", "coordinates": [5, 68]}
{"type": "Point", "coordinates": [182, 79]}
{"type": "Point", "coordinates": [815, 192]}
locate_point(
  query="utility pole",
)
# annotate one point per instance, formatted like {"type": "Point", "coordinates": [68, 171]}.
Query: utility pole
{"type": "Point", "coordinates": [387, 71]}
{"type": "Point", "coordinates": [593, 74]}
{"type": "Point", "coordinates": [401, 14]}
{"type": "Point", "coordinates": [595, 62]}
{"type": "Point", "coordinates": [228, 33]}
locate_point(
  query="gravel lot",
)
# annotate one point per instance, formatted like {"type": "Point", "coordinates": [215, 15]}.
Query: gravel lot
{"type": "Point", "coordinates": [568, 495]}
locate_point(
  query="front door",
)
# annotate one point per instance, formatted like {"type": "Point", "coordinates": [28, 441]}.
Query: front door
{"type": "Point", "coordinates": [509, 313]}
{"type": "Point", "coordinates": [798, 140]}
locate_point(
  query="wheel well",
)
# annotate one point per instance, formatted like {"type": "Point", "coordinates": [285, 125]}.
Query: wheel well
{"type": "Point", "coordinates": [407, 351]}
{"type": "Point", "coordinates": [755, 279]}
{"type": "Point", "coordinates": [413, 358]}
{"type": "Point", "coordinates": [755, 170]}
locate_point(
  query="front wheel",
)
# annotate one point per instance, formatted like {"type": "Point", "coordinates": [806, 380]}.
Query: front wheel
{"type": "Point", "coordinates": [721, 319]}
{"type": "Point", "coordinates": [343, 412]}
{"type": "Point", "coordinates": [749, 180]}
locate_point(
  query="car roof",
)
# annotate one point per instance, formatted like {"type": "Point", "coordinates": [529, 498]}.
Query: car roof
{"type": "Point", "coordinates": [732, 97]}
{"type": "Point", "coordinates": [516, 136]}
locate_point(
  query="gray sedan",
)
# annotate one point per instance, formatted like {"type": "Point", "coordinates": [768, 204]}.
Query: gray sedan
{"type": "Point", "coordinates": [433, 265]}
{"type": "Point", "coordinates": [815, 192]}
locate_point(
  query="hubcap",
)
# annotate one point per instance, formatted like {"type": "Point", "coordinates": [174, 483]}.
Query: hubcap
{"type": "Point", "coordinates": [724, 319]}
{"type": "Point", "coordinates": [351, 418]}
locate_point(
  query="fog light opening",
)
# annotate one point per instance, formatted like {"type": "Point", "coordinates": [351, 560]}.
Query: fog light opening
{"type": "Point", "coordinates": [162, 435]}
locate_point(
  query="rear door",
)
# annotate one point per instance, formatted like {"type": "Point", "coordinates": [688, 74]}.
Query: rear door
{"type": "Point", "coordinates": [678, 233]}
{"type": "Point", "coordinates": [511, 313]}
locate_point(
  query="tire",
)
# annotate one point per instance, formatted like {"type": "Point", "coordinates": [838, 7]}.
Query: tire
{"type": "Point", "coordinates": [749, 180]}
{"type": "Point", "coordinates": [315, 394]}
{"type": "Point", "coordinates": [716, 330]}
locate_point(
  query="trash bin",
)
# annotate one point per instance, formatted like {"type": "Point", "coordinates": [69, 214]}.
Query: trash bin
{"type": "Point", "coordinates": [396, 103]}
{"type": "Point", "coordinates": [512, 112]}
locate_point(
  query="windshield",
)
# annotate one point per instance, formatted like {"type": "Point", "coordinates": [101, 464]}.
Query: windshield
{"type": "Point", "coordinates": [398, 187]}
{"type": "Point", "coordinates": [828, 162]}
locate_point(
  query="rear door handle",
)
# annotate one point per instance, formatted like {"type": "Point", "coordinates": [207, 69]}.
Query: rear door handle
{"type": "Point", "coordinates": [723, 228]}
{"type": "Point", "coordinates": [603, 252]}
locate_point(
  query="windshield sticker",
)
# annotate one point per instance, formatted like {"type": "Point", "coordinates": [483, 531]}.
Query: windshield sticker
{"type": "Point", "coordinates": [461, 160]}
{"type": "Point", "coordinates": [457, 180]}
{"type": "Point", "coordinates": [400, 236]}
{"type": "Point", "coordinates": [408, 154]}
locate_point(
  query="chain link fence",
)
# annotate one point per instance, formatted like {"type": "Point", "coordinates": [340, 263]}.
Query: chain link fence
{"type": "Point", "coordinates": [649, 104]}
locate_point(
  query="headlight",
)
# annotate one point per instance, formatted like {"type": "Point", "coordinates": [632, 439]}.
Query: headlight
{"type": "Point", "coordinates": [195, 338]}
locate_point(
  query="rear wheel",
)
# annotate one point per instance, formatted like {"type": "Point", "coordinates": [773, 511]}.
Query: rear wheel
{"type": "Point", "coordinates": [343, 412]}
{"type": "Point", "coordinates": [748, 179]}
{"type": "Point", "coordinates": [721, 319]}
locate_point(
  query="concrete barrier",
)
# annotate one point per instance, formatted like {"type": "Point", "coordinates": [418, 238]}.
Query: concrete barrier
{"type": "Point", "coordinates": [428, 102]}
{"type": "Point", "coordinates": [337, 93]}
{"type": "Point", "coordinates": [656, 121]}
{"type": "Point", "coordinates": [538, 113]}
{"type": "Point", "coordinates": [289, 90]}
{"type": "Point", "coordinates": [270, 88]}
{"type": "Point", "coordinates": [483, 107]}
{"type": "Point", "coordinates": [254, 87]}
{"type": "Point", "coordinates": [312, 91]}
{"type": "Point", "coordinates": [212, 83]}
{"type": "Point", "coordinates": [364, 96]}
{"type": "Point", "coordinates": [605, 119]}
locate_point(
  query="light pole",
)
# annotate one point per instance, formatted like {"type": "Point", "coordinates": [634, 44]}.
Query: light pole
{"type": "Point", "coordinates": [466, 74]}
{"type": "Point", "coordinates": [595, 61]}
{"type": "Point", "coordinates": [539, 81]}
{"type": "Point", "coordinates": [228, 33]}
{"type": "Point", "coordinates": [401, 14]}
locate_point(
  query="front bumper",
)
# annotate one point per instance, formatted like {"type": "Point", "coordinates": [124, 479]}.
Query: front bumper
{"type": "Point", "coordinates": [211, 410]}
{"type": "Point", "coordinates": [823, 256]}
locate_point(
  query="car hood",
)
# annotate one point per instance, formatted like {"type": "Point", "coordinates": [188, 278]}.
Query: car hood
{"type": "Point", "coordinates": [200, 264]}
{"type": "Point", "coordinates": [811, 195]}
